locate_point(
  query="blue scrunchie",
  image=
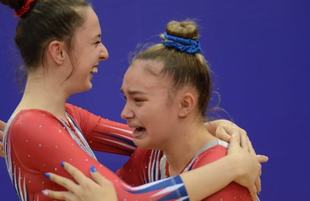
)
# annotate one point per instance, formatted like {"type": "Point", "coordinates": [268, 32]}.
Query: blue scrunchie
{"type": "Point", "coordinates": [188, 46]}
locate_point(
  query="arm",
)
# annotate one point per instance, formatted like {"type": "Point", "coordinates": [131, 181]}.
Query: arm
{"type": "Point", "coordinates": [232, 191]}
{"type": "Point", "coordinates": [223, 129]}
{"type": "Point", "coordinates": [47, 135]}
{"type": "Point", "coordinates": [239, 165]}
{"type": "Point", "coordinates": [102, 134]}
{"type": "Point", "coordinates": [110, 136]}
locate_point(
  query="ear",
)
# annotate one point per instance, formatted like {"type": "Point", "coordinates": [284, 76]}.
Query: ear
{"type": "Point", "coordinates": [187, 104]}
{"type": "Point", "coordinates": [56, 50]}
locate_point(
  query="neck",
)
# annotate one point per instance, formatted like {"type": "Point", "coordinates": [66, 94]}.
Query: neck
{"type": "Point", "coordinates": [187, 141]}
{"type": "Point", "coordinates": [43, 93]}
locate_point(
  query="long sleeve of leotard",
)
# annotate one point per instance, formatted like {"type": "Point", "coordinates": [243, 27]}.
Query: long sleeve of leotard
{"type": "Point", "coordinates": [102, 134]}
{"type": "Point", "coordinates": [37, 143]}
{"type": "Point", "coordinates": [138, 170]}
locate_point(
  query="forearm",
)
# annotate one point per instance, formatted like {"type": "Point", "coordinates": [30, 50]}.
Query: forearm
{"type": "Point", "coordinates": [204, 181]}
{"type": "Point", "coordinates": [102, 134]}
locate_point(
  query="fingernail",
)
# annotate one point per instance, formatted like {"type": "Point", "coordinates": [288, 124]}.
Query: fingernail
{"type": "Point", "coordinates": [92, 169]}
{"type": "Point", "coordinates": [62, 164]}
{"type": "Point", "coordinates": [45, 192]}
{"type": "Point", "coordinates": [48, 175]}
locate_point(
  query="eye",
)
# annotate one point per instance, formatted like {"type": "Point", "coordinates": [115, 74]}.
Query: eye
{"type": "Point", "coordinates": [139, 101]}
{"type": "Point", "coordinates": [97, 43]}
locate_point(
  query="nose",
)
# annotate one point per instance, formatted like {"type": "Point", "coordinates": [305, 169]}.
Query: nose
{"type": "Point", "coordinates": [127, 113]}
{"type": "Point", "coordinates": [104, 54]}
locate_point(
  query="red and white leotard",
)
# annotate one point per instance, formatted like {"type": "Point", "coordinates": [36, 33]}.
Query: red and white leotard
{"type": "Point", "coordinates": [36, 142]}
{"type": "Point", "coordinates": [147, 166]}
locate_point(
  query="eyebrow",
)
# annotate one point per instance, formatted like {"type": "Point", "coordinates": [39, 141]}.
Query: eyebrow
{"type": "Point", "coordinates": [132, 92]}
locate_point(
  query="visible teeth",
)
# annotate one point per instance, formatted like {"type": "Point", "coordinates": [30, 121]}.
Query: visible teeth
{"type": "Point", "coordinates": [94, 70]}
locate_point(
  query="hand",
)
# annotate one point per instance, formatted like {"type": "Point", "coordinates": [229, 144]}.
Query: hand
{"type": "Point", "coordinates": [2, 125]}
{"type": "Point", "coordinates": [223, 129]}
{"type": "Point", "coordinates": [85, 189]}
{"type": "Point", "coordinates": [248, 165]}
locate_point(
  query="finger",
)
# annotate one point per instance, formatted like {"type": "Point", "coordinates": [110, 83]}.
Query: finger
{"type": "Point", "coordinates": [254, 196]}
{"type": "Point", "coordinates": [253, 192]}
{"type": "Point", "coordinates": [1, 144]}
{"type": "Point", "coordinates": [60, 195]}
{"type": "Point", "coordinates": [2, 125]}
{"type": "Point", "coordinates": [222, 134]}
{"type": "Point", "coordinates": [210, 127]}
{"type": "Point", "coordinates": [235, 140]}
{"type": "Point", "coordinates": [244, 140]}
{"type": "Point", "coordinates": [78, 176]}
{"type": "Point", "coordinates": [262, 158]}
{"type": "Point", "coordinates": [224, 122]}
{"type": "Point", "coordinates": [213, 125]}
{"type": "Point", "coordinates": [234, 144]}
{"type": "Point", "coordinates": [62, 181]}
{"type": "Point", "coordinates": [258, 184]}
{"type": "Point", "coordinates": [97, 177]}
{"type": "Point", "coordinates": [1, 150]}
{"type": "Point", "coordinates": [1, 136]}
{"type": "Point", "coordinates": [251, 148]}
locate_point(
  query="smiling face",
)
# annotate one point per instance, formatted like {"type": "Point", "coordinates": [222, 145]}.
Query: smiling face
{"type": "Point", "coordinates": [87, 52]}
{"type": "Point", "coordinates": [150, 110]}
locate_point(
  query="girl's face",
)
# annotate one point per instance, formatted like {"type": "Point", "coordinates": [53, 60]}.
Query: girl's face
{"type": "Point", "coordinates": [87, 52]}
{"type": "Point", "coordinates": [150, 109]}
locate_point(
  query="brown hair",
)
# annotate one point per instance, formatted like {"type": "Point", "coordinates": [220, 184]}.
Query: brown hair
{"type": "Point", "coordinates": [182, 67]}
{"type": "Point", "coordinates": [45, 21]}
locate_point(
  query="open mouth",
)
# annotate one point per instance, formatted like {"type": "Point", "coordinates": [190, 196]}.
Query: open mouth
{"type": "Point", "coordinates": [139, 132]}
{"type": "Point", "coordinates": [94, 70]}
{"type": "Point", "coordinates": [140, 129]}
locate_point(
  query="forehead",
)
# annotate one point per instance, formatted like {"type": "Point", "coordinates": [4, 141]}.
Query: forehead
{"type": "Point", "coordinates": [145, 75]}
{"type": "Point", "coordinates": [91, 25]}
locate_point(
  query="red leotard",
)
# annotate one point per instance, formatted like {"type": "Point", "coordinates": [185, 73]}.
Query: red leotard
{"type": "Point", "coordinates": [36, 142]}
{"type": "Point", "coordinates": [151, 165]}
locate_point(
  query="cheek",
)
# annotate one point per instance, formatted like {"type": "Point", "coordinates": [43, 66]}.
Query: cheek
{"type": "Point", "coordinates": [159, 128]}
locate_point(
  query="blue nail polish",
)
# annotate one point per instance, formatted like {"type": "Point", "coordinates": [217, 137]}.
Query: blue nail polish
{"type": "Point", "coordinates": [62, 164]}
{"type": "Point", "coordinates": [48, 175]}
{"type": "Point", "coordinates": [92, 169]}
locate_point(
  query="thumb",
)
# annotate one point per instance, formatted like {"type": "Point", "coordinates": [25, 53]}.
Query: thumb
{"type": "Point", "coordinates": [262, 158]}
{"type": "Point", "coordinates": [97, 177]}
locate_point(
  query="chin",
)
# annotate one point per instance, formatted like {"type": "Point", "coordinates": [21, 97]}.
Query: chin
{"type": "Point", "coordinates": [145, 144]}
{"type": "Point", "coordinates": [81, 90]}
{"type": "Point", "coordinates": [87, 87]}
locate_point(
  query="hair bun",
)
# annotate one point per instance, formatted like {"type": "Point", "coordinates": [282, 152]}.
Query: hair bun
{"type": "Point", "coordinates": [183, 29]}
